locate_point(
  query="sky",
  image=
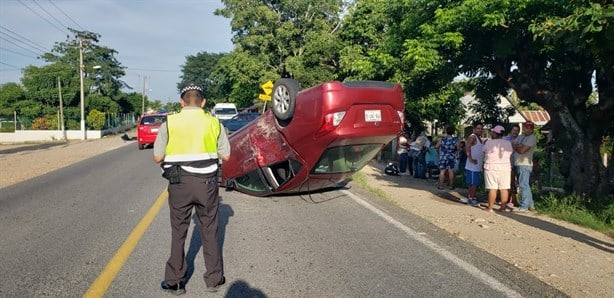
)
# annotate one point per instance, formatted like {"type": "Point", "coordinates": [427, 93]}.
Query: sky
{"type": "Point", "coordinates": [152, 37]}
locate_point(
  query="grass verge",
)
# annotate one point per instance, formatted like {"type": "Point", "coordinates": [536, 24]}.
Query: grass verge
{"type": "Point", "coordinates": [571, 209]}
{"type": "Point", "coordinates": [360, 179]}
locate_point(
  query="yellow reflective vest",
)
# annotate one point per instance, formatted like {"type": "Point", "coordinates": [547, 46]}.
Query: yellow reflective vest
{"type": "Point", "coordinates": [192, 139]}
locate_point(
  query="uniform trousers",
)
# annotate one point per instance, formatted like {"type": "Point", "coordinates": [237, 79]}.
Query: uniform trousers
{"type": "Point", "coordinates": [201, 194]}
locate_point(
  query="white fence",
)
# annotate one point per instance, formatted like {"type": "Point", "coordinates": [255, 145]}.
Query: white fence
{"type": "Point", "coordinates": [22, 136]}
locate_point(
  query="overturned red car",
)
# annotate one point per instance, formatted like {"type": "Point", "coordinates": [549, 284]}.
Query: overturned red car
{"type": "Point", "coordinates": [314, 138]}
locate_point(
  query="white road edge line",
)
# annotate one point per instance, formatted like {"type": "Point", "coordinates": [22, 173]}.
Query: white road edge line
{"type": "Point", "coordinates": [475, 272]}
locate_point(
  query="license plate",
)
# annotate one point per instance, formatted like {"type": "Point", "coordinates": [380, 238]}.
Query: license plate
{"type": "Point", "coordinates": [154, 130]}
{"type": "Point", "coordinates": [373, 115]}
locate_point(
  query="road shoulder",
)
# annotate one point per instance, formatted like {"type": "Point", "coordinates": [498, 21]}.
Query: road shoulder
{"type": "Point", "coordinates": [534, 243]}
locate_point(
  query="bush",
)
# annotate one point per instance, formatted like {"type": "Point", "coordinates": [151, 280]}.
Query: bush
{"type": "Point", "coordinates": [72, 124]}
{"type": "Point", "coordinates": [95, 119]}
{"type": "Point", "coordinates": [41, 123]}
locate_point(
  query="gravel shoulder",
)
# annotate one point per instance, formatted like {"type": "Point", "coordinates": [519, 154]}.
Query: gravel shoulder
{"type": "Point", "coordinates": [573, 259]}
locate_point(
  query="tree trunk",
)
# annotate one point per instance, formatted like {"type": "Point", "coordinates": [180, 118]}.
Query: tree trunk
{"type": "Point", "coordinates": [583, 167]}
{"type": "Point", "coordinates": [579, 138]}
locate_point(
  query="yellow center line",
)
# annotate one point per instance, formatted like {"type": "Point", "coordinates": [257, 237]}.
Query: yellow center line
{"type": "Point", "coordinates": [106, 277]}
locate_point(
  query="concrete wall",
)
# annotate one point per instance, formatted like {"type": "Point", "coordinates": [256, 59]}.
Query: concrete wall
{"type": "Point", "coordinates": [22, 136]}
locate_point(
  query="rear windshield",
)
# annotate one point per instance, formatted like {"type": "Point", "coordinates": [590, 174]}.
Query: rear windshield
{"type": "Point", "coordinates": [150, 120]}
{"type": "Point", "coordinates": [345, 159]}
{"type": "Point", "coordinates": [225, 111]}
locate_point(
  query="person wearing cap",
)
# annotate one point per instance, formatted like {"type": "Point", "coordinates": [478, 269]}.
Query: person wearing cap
{"type": "Point", "coordinates": [524, 147]}
{"type": "Point", "coordinates": [189, 146]}
{"type": "Point", "coordinates": [497, 167]}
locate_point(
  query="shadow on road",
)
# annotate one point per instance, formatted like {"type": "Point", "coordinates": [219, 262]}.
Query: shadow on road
{"type": "Point", "coordinates": [31, 147]}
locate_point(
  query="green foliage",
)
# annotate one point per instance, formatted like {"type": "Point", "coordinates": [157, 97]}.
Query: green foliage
{"type": "Point", "coordinates": [155, 105]}
{"type": "Point", "coordinates": [238, 75]}
{"type": "Point", "coordinates": [95, 119]}
{"type": "Point", "coordinates": [131, 103]}
{"type": "Point", "coordinates": [72, 124]}
{"type": "Point", "coordinates": [546, 51]}
{"type": "Point", "coordinates": [10, 94]}
{"type": "Point", "coordinates": [572, 209]}
{"type": "Point", "coordinates": [198, 69]}
{"type": "Point", "coordinates": [106, 78]}
{"type": "Point", "coordinates": [172, 107]}
{"type": "Point", "coordinates": [286, 38]}
{"type": "Point", "coordinates": [97, 101]}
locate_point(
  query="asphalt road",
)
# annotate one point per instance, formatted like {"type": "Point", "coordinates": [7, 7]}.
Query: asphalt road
{"type": "Point", "coordinates": [60, 230]}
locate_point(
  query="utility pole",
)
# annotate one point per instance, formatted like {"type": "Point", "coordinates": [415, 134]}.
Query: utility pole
{"type": "Point", "coordinates": [82, 95]}
{"type": "Point", "coordinates": [143, 96]}
{"type": "Point", "coordinates": [61, 110]}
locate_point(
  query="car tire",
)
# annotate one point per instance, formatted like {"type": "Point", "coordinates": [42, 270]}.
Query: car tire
{"type": "Point", "coordinates": [283, 99]}
{"type": "Point", "coordinates": [141, 146]}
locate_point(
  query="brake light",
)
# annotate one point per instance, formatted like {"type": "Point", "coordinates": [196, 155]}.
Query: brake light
{"type": "Point", "coordinates": [331, 121]}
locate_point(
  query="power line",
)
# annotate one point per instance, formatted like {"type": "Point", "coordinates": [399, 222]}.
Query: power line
{"type": "Point", "coordinates": [46, 20]}
{"type": "Point", "coordinates": [47, 12]}
{"type": "Point", "coordinates": [146, 69]}
{"type": "Point", "coordinates": [18, 53]}
{"type": "Point", "coordinates": [62, 11]}
{"type": "Point", "coordinates": [19, 46]}
{"type": "Point", "coordinates": [19, 36]}
{"type": "Point", "coordinates": [10, 65]}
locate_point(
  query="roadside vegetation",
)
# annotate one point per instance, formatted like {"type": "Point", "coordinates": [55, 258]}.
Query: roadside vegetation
{"type": "Point", "coordinates": [581, 211]}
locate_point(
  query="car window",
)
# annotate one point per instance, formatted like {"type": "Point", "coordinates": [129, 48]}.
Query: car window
{"type": "Point", "coordinates": [225, 111]}
{"type": "Point", "coordinates": [345, 159]}
{"type": "Point", "coordinates": [251, 182]}
{"type": "Point", "coordinates": [150, 120]}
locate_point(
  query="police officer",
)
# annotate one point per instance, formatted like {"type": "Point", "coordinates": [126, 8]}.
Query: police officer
{"type": "Point", "coordinates": [189, 145]}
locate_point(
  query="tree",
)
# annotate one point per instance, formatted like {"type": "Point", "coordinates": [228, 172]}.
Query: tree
{"type": "Point", "coordinates": [41, 84]}
{"type": "Point", "coordinates": [546, 51]}
{"type": "Point", "coordinates": [10, 94]}
{"type": "Point", "coordinates": [197, 69]}
{"type": "Point", "coordinates": [104, 79]}
{"type": "Point", "coordinates": [172, 107]}
{"type": "Point", "coordinates": [296, 39]}
{"type": "Point", "coordinates": [373, 51]}
{"type": "Point", "coordinates": [239, 76]}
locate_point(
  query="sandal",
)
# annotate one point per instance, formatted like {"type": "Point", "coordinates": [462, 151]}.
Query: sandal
{"type": "Point", "coordinates": [452, 188]}
{"type": "Point", "coordinates": [439, 187]}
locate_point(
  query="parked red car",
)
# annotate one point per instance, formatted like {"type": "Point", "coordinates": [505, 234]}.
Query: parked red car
{"type": "Point", "coordinates": [315, 138]}
{"type": "Point", "coordinates": [147, 129]}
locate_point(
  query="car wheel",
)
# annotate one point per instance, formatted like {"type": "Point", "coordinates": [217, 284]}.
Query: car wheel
{"type": "Point", "coordinates": [284, 99]}
{"type": "Point", "coordinates": [141, 146]}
